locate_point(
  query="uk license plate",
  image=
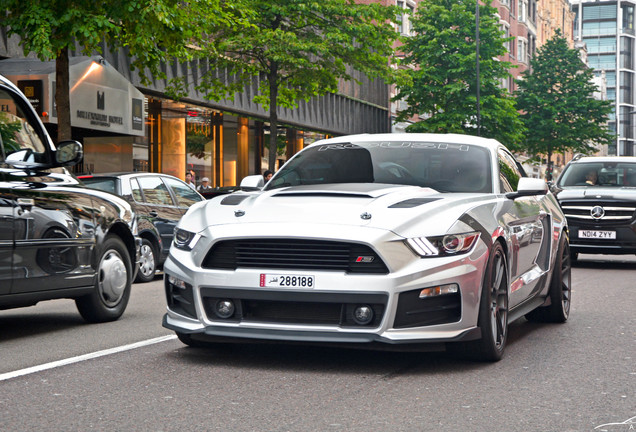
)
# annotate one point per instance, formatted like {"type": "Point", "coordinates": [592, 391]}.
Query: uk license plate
{"type": "Point", "coordinates": [277, 280]}
{"type": "Point", "coordinates": [592, 234]}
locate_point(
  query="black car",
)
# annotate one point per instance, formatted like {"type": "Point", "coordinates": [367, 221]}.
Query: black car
{"type": "Point", "coordinates": [598, 197]}
{"type": "Point", "coordinates": [159, 201]}
{"type": "Point", "coordinates": [57, 238]}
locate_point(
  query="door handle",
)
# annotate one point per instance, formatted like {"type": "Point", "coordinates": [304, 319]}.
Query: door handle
{"type": "Point", "coordinates": [153, 213]}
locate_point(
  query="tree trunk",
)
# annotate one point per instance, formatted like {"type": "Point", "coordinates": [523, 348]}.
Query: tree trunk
{"type": "Point", "coordinates": [62, 96]}
{"type": "Point", "coordinates": [273, 116]}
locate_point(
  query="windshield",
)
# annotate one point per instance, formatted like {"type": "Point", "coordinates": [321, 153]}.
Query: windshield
{"type": "Point", "coordinates": [105, 184]}
{"type": "Point", "coordinates": [445, 167]}
{"type": "Point", "coordinates": [617, 174]}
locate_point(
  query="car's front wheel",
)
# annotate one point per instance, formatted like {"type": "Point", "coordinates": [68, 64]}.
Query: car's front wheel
{"type": "Point", "coordinates": [110, 297]}
{"type": "Point", "coordinates": [147, 262]}
{"type": "Point", "coordinates": [493, 310]}
{"type": "Point", "coordinates": [560, 291]}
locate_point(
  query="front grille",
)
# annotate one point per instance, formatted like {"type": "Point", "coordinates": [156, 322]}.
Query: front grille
{"type": "Point", "coordinates": [300, 308]}
{"type": "Point", "coordinates": [291, 254]}
{"type": "Point", "coordinates": [614, 211]}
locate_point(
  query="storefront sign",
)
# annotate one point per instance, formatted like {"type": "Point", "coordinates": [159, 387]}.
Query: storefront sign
{"type": "Point", "coordinates": [32, 89]}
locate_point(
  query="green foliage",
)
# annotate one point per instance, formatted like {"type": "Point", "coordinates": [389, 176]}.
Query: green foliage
{"type": "Point", "coordinates": [298, 49]}
{"type": "Point", "coordinates": [9, 128]}
{"type": "Point", "coordinates": [440, 80]}
{"type": "Point", "coordinates": [557, 99]}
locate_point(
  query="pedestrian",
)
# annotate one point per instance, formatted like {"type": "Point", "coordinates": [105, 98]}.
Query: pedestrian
{"type": "Point", "coordinates": [205, 185]}
{"type": "Point", "coordinates": [267, 175]}
{"type": "Point", "coordinates": [189, 180]}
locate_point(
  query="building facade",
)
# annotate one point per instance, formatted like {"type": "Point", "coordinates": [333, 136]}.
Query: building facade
{"type": "Point", "coordinates": [127, 125]}
{"type": "Point", "coordinates": [606, 28]}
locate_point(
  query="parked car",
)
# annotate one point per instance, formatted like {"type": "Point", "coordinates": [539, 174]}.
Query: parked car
{"type": "Point", "coordinates": [57, 238]}
{"type": "Point", "coordinates": [598, 197]}
{"type": "Point", "coordinates": [159, 201]}
{"type": "Point", "coordinates": [406, 241]}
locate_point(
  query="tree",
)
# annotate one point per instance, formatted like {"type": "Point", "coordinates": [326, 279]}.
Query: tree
{"type": "Point", "coordinates": [556, 96]}
{"type": "Point", "coordinates": [153, 31]}
{"type": "Point", "coordinates": [439, 81]}
{"type": "Point", "coordinates": [298, 49]}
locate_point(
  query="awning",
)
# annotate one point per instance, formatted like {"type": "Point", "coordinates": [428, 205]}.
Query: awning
{"type": "Point", "coordinates": [101, 98]}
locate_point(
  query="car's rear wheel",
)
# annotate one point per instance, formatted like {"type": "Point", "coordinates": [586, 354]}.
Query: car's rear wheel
{"type": "Point", "coordinates": [560, 291]}
{"type": "Point", "coordinates": [110, 297]}
{"type": "Point", "coordinates": [493, 310]}
{"type": "Point", "coordinates": [147, 262]}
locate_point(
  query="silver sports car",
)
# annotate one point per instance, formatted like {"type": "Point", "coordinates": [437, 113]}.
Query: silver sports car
{"type": "Point", "coordinates": [399, 241]}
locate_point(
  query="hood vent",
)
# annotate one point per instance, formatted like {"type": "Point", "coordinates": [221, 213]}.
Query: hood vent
{"type": "Point", "coordinates": [414, 202]}
{"type": "Point", "coordinates": [233, 199]}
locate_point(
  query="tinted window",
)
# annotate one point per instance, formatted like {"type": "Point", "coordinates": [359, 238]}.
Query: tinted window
{"type": "Point", "coordinates": [617, 174]}
{"type": "Point", "coordinates": [509, 173]}
{"type": "Point", "coordinates": [446, 167]}
{"type": "Point", "coordinates": [100, 183]}
{"type": "Point", "coordinates": [186, 196]}
{"type": "Point", "coordinates": [155, 191]}
{"type": "Point", "coordinates": [136, 190]}
{"type": "Point", "coordinates": [18, 140]}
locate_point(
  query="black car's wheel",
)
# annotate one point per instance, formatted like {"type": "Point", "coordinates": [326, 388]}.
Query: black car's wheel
{"type": "Point", "coordinates": [147, 262]}
{"type": "Point", "coordinates": [560, 292]}
{"type": "Point", "coordinates": [110, 297]}
{"type": "Point", "coordinates": [493, 310]}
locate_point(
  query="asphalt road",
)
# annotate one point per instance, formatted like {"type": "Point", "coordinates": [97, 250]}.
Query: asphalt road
{"type": "Point", "coordinates": [571, 377]}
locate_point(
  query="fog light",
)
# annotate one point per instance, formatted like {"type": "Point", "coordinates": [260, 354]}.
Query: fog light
{"type": "Point", "coordinates": [439, 290]}
{"type": "Point", "coordinates": [224, 308]}
{"type": "Point", "coordinates": [363, 315]}
{"type": "Point", "coordinates": [178, 283]}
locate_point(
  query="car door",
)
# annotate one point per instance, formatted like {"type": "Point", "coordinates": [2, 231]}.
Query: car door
{"type": "Point", "coordinates": [526, 222]}
{"type": "Point", "coordinates": [53, 233]}
{"type": "Point", "coordinates": [160, 208]}
{"type": "Point", "coordinates": [6, 237]}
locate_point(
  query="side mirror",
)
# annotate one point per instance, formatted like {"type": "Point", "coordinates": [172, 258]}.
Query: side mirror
{"type": "Point", "coordinates": [529, 186]}
{"type": "Point", "coordinates": [252, 183]}
{"type": "Point", "coordinates": [68, 153]}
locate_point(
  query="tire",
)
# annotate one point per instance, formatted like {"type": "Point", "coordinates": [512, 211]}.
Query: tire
{"type": "Point", "coordinates": [113, 283]}
{"type": "Point", "coordinates": [147, 262]}
{"type": "Point", "coordinates": [560, 291]}
{"type": "Point", "coordinates": [493, 310]}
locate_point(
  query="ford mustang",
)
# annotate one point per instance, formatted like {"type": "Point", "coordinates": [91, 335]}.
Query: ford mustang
{"type": "Point", "coordinates": [398, 241]}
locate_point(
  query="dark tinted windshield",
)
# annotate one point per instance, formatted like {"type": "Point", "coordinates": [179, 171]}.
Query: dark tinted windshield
{"type": "Point", "coordinates": [100, 183]}
{"type": "Point", "coordinates": [442, 166]}
{"type": "Point", "coordinates": [617, 174]}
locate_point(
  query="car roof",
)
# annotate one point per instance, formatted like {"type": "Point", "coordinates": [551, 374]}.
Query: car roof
{"type": "Point", "coordinates": [424, 137]}
{"type": "Point", "coordinates": [591, 159]}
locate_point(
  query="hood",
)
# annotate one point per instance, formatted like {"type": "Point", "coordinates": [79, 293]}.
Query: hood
{"type": "Point", "coordinates": [598, 192]}
{"type": "Point", "coordinates": [396, 208]}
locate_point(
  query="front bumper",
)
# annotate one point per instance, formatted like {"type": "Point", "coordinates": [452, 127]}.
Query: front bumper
{"type": "Point", "coordinates": [323, 313]}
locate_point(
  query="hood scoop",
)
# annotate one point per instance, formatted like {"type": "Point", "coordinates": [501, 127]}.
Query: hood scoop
{"type": "Point", "coordinates": [323, 194]}
{"type": "Point", "coordinates": [413, 202]}
{"type": "Point", "coordinates": [233, 199]}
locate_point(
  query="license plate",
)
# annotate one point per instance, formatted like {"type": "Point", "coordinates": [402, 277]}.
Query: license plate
{"type": "Point", "coordinates": [273, 280]}
{"type": "Point", "coordinates": [597, 234]}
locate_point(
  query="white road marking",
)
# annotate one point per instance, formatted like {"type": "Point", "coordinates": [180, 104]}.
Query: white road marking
{"type": "Point", "coordinates": [84, 357]}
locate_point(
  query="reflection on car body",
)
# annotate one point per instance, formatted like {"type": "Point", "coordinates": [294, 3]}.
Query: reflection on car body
{"type": "Point", "coordinates": [400, 241]}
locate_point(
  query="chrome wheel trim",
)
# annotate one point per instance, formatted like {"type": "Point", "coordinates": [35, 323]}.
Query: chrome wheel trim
{"type": "Point", "coordinates": [147, 260]}
{"type": "Point", "coordinates": [499, 303]}
{"type": "Point", "coordinates": [113, 278]}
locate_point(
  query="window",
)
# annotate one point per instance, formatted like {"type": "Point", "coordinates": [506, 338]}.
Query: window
{"type": "Point", "coordinates": [523, 10]}
{"type": "Point", "coordinates": [601, 45]}
{"type": "Point", "coordinates": [505, 28]}
{"type": "Point", "coordinates": [185, 195]}
{"type": "Point", "coordinates": [522, 50]}
{"type": "Point", "coordinates": [408, 8]}
{"type": "Point", "coordinates": [19, 141]}
{"type": "Point", "coordinates": [509, 173]}
{"type": "Point", "coordinates": [155, 191]}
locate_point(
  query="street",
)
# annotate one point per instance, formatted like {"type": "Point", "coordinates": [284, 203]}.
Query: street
{"type": "Point", "coordinates": [570, 377]}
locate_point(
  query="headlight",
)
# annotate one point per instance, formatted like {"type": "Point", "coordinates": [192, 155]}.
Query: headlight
{"type": "Point", "coordinates": [185, 240]}
{"type": "Point", "coordinates": [450, 244]}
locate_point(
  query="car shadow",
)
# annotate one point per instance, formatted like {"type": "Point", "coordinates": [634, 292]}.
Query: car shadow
{"type": "Point", "coordinates": [24, 325]}
{"type": "Point", "coordinates": [342, 360]}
